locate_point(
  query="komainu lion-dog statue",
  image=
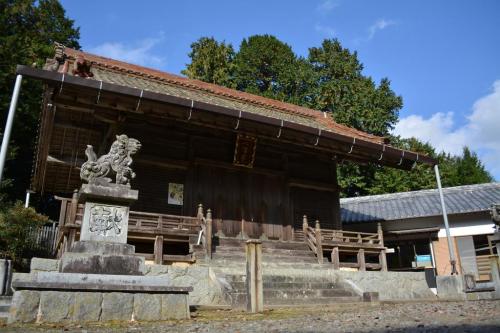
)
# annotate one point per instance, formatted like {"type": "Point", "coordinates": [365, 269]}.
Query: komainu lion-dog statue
{"type": "Point", "coordinates": [119, 159]}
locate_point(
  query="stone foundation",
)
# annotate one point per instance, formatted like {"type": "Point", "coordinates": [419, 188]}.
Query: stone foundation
{"type": "Point", "coordinates": [29, 306]}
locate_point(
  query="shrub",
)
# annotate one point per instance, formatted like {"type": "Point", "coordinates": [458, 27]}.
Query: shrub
{"type": "Point", "coordinates": [18, 229]}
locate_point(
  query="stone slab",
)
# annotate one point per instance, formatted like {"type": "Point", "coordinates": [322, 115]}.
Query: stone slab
{"type": "Point", "coordinates": [87, 306]}
{"type": "Point", "coordinates": [174, 306]}
{"type": "Point", "coordinates": [90, 282]}
{"type": "Point", "coordinates": [44, 265]}
{"type": "Point", "coordinates": [56, 306]}
{"type": "Point", "coordinates": [101, 264]}
{"type": "Point", "coordinates": [147, 307]}
{"type": "Point", "coordinates": [450, 287]}
{"type": "Point", "coordinates": [102, 248]}
{"type": "Point", "coordinates": [117, 306]}
{"type": "Point", "coordinates": [24, 307]}
{"type": "Point", "coordinates": [110, 194]}
{"type": "Point", "coordinates": [104, 222]}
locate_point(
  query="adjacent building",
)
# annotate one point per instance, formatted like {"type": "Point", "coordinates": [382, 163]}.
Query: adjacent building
{"type": "Point", "coordinates": [414, 232]}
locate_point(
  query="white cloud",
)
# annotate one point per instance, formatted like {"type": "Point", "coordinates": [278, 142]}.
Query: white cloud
{"type": "Point", "coordinates": [379, 25]}
{"type": "Point", "coordinates": [327, 6]}
{"type": "Point", "coordinates": [140, 52]}
{"type": "Point", "coordinates": [325, 30]}
{"type": "Point", "coordinates": [481, 131]}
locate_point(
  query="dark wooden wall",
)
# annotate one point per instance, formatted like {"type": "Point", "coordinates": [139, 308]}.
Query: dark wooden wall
{"type": "Point", "coordinates": [284, 184]}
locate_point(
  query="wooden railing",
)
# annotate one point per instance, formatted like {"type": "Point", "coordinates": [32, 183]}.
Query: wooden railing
{"type": "Point", "coordinates": [348, 242]}
{"type": "Point", "coordinates": [154, 224]}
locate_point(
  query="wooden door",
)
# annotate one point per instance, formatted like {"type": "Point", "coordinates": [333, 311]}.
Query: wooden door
{"type": "Point", "coordinates": [317, 205]}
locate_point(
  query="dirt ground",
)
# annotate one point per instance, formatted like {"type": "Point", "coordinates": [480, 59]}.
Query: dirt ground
{"type": "Point", "coordinates": [472, 316]}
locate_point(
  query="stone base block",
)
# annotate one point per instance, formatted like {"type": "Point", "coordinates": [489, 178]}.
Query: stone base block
{"type": "Point", "coordinates": [371, 296]}
{"type": "Point", "coordinates": [66, 306]}
{"type": "Point", "coordinates": [90, 263]}
{"type": "Point", "coordinates": [103, 248]}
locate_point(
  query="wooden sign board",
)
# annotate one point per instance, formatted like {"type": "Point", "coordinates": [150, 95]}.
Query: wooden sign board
{"type": "Point", "coordinates": [244, 152]}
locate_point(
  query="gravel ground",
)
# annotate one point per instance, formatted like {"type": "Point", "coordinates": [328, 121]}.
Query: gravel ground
{"type": "Point", "coordinates": [473, 316]}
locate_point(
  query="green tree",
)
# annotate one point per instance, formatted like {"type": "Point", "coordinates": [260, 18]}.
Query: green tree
{"type": "Point", "coordinates": [353, 99]}
{"type": "Point", "coordinates": [28, 30]}
{"type": "Point", "coordinates": [465, 169]}
{"type": "Point", "coordinates": [211, 61]}
{"type": "Point", "coordinates": [266, 66]}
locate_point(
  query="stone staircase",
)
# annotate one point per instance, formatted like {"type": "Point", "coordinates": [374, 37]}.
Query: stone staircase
{"type": "Point", "coordinates": [5, 302]}
{"type": "Point", "coordinates": [291, 274]}
{"type": "Point", "coordinates": [232, 251]}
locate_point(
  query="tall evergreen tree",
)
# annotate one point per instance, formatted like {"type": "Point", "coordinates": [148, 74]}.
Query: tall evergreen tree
{"type": "Point", "coordinates": [211, 61]}
{"type": "Point", "coordinates": [28, 30]}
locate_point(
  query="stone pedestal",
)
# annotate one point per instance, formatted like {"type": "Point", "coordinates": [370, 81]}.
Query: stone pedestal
{"type": "Point", "coordinates": [99, 278]}
{"type": "Point", "coordinates": [103, 247]}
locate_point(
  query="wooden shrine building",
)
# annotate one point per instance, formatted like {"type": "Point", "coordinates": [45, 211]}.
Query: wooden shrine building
{"type": "Point", "coordinates": [258, 164]}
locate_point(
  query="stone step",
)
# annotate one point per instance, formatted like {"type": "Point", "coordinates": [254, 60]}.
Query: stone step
{"type": "Point", "coordinates": [240, 265]}
{"type": "Point", "coordinates": [266, 258]}
{"type": "Point", "coordinates": [265, 244]}
{"type": "Point", "coordinates": [236, 278]}
{"type": "Point", "coordinates": [5, 300]}
{"type": "Point", "coordinates": [4, 308]}
{"type": "Point", "coordinates": [271, 298]}
{"type": "Point", "coordinates": [288, 285]}
{"type": "Point", "coordinates": [271, 251]}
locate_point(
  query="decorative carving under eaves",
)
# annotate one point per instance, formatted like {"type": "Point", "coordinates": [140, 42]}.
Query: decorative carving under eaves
{"type": "Point", "coordinates": [119, 160]}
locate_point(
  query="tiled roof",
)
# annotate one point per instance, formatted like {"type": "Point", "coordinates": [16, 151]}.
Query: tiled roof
{"type": "Point", "coordinates": [117, 72]}
{"type": "Point", "coordinates": [395, 206]}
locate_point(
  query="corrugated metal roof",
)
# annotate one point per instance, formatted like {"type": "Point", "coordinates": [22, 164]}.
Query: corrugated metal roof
{"type": "Point", "coordinates": [396, 206]}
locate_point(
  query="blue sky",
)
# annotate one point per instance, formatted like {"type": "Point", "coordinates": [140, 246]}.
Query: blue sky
{"type": "Point", "coordinates": [443, 57]}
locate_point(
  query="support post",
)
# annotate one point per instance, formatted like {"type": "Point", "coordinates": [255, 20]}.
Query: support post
{"type": "Point", "coordinates": [319, 242]}
{"type": "Point", "coordinates": [10, 122]}
{"type": "Point", "coordinates": [208, 236]}
{"type": "Point", "coordinates": [305, 226]}
{"type": "Point", "coordinates": [380, 233]}
{"type": "Point", "coordinates": [73, 208]}
{"type": "Point", "coordinates": [382, 257]}
{"type": "Point", "coordinates": [199, 214]}
{"type": "Point", "coordinates": [255, 292]}
{"type": "Point", "coordinates": [453, 260]}
{"type": "Point", "coordinates": [335, 258]}
{"type": "Point", "coordinates": [159, 250]}
{"type": "Point", "coordinates": [361, 260]}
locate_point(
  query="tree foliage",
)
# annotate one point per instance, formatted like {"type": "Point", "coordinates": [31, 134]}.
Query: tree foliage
{"type": "Point", "coordinates": [28, 30]}
{"type": "Point", "coordinates": [211, 61]}
{"type": "Point", "coordinates": [331, 79]}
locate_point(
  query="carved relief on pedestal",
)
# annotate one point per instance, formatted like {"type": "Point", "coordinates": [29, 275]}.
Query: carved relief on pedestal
{"type": "Point", "coordinates": [106, 220]}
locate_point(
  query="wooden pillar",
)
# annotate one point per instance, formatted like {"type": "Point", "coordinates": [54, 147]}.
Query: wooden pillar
{"type": "Point", "coordinates": [73, 208]}
{"type": "Point", "coordinates": [319, 242]}
{"type": "Point", "coordinates": [382, 256]}
{"type": "Point", "coordinates": [361, 260]}
{"type": "Point", "coordinates": [71, 239]}
{"type": "Point", "coordinates": [383, 261]}
{"type": "Point", "coordinates": [199, 214]}
{"type": "Point", "coordinates": [305, 225]}
{"type": "Point", "coordinates": [254, 287]}
{"type": "Point", "coordinates": [380, 233]}
{"type": "Point", "coordinates": [159, 250]}
{"type": "Point", "coordinates": [335, 258]}
{"type": "Point", "coordinates": [208, 236]}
